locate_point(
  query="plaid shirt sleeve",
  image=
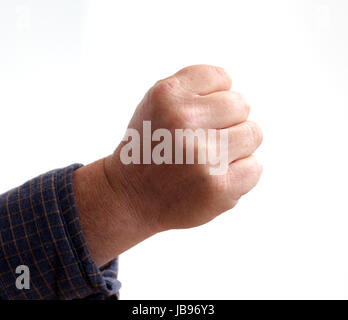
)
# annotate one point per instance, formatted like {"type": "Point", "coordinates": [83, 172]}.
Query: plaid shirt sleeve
{"type": "Point", "coordinates": [40, 228]}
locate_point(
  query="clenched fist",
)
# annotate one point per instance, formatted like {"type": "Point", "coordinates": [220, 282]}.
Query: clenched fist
{"type": "Point", "coordinates": [160, 177]}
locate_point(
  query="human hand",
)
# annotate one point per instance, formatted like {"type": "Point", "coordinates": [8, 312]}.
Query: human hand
{"type": "Point", "coordinates": [168, 196]}
{"type": "Point", "coordinates": [120, 205]}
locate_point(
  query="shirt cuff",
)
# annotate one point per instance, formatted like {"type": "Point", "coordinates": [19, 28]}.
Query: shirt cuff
{"type": "Point", "coordinates": [40, 229]}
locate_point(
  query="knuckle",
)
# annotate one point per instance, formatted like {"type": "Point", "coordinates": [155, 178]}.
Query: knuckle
{"type": "Point", "coordinates": [240, 172]}
{"type": "Point", "coordinates": [222, 73]}
{"type": "Point", "coordinates": [252, 169]}
{"type": "Point", "coordinates": [238, 101]}
{"type": "Point", "coordinates": [167, 104]}
{"type": "Point", "coordinates": [254, 132]}
{"type": "Point", "coordinates": [162, 91]}
{"type": "Point", "coordinates": [247, 108]}
{"type": "Point", "coordinates": [209, 70]}
{"type": "Point", "coordinates": [219, 70]}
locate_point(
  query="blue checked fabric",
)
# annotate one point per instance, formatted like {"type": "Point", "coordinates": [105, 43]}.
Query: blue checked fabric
{"type": "Point", "coordinates": [39, 228]}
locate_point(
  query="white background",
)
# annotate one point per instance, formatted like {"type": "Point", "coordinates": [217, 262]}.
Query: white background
{"type": "Point", "coordinates": [72, 73]}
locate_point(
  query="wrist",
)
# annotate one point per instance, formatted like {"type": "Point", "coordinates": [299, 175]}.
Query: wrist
{"type": "Point", "coordinates": [110, 221]}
